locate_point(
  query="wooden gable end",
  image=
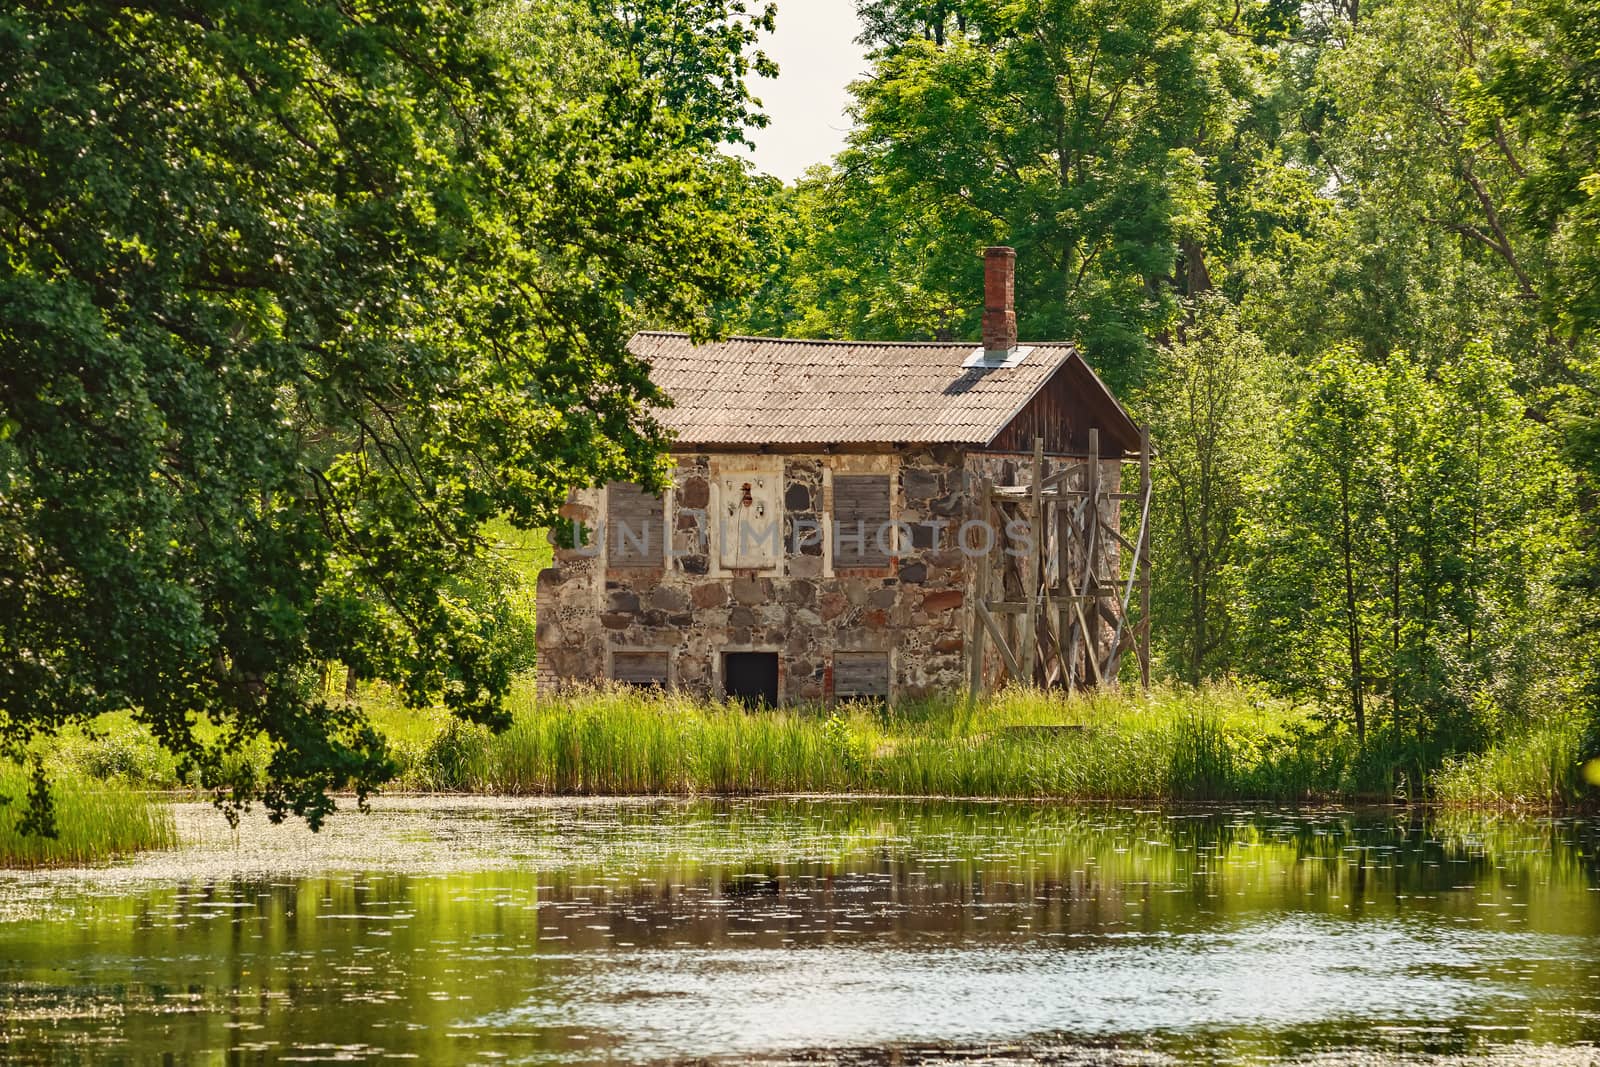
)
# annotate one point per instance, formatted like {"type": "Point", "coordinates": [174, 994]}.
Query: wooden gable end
{"type": "Point", "coordinates": [1063, 412]}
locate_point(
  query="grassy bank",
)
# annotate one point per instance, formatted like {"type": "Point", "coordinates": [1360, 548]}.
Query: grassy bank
{"type": "Point", "coordinates": [1218, 743]}
{"type": "Point", "coordinates": [95, 820]}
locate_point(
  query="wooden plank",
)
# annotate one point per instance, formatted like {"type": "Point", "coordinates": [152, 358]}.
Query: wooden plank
{"type": "Point", "coordinates": [1020, 607]}
{"type": "Point", "coordinates": [644, 669]}
{"type": "Point", "coordinates": [1091, 526]}
{"type": "Point", "coordinates": [1144, 561]}
{"type": "Point", "coordinates": [999, 640]}
{"type": "Point", "coordinates": [634, 527]}
{"type": "Point", "coordinates": [1116, 535]}
{"type": "Point", "coordinates": [1091, 556]}
{"type": "Point", "coordinates": [1072, 610]}
{"type": "Point", "coordinates": [1022, 494]}
{"type": "Point", "coordinates": [860, 505]}
{"type": "Point", "coordinates": [1050, 661]}
{"type": "Point", "coordinates": [1029, 635]}
{"type": "Point", "coordinates": [861, 675]}
{"type": "Point", "coordinates": [1089, 591]}
{"type": "Point", "coordinates": [1114, 655]}
{"type": "Point", "coordinates": [1066, 638]}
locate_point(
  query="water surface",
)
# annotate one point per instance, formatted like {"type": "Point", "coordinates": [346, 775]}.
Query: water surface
{"type": "Point", "coordinates": [815, 930]}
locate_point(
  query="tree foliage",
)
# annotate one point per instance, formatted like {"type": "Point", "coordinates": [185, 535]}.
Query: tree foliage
{"type": "Point", "coordinates": [1092, 136]}
{"type": "Point", "coordinates": [1546, 81]}
{"type": "Point", "coordinates": [1397, 551]}
{"type": "Point", "coordinates": [1210, 405]}
{"type": "Point", "coordinates": [295, 297]}
{"type": "Point", "coordinates": [1339, 256]}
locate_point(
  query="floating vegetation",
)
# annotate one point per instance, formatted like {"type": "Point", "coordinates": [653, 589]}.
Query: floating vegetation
{"type": "Point", "coordinates": [864, 931]}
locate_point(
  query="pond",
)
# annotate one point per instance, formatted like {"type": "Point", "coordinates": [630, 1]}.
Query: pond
{"type": "Point", "coordinates": [815, 931]}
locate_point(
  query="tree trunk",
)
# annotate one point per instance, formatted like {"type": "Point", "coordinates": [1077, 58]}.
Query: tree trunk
{"type": "Point", "coordinates": [1353, 620]}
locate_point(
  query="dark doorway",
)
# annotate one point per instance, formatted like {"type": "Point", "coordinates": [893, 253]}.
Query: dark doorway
{"type": "Point", "coordinates": [751, 678]}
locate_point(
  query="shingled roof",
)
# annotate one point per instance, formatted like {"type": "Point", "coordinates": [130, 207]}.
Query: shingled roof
{"type": "Point", "coordinates": [762, 390]}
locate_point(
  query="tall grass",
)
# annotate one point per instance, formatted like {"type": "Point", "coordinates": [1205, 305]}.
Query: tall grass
{"type": "Point", "coordinates": [1542, 768]}
{"type": "Point", "coordinates": [1222, 742]}
{"type": "Point", "coordinates": [93, 821]}
{"type": "Point", "coordinates": [616, 742]}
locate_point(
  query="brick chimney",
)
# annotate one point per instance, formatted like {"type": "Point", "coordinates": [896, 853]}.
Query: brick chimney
{"type": "Point", "coordinates": [999, 302]}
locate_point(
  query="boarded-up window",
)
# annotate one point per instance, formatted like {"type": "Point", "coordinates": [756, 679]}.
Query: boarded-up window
{"type": "Point", "coordinates": [646, 670]}
{"type": "Point", "coordinates": [750, 527]}
{"type": "Point", "coordinates": [634, 528]}
{"type": "Point", "coordinates": [861, 675]}
{"type": "Point", "coordinates": [861, 529]}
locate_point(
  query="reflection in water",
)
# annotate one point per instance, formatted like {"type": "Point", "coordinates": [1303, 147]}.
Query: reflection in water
{"type": "Point", "coordinates": [815, 929]}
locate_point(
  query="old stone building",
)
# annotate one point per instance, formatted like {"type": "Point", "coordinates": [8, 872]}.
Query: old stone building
{"type": "Point", "coordinates": [824, 533]}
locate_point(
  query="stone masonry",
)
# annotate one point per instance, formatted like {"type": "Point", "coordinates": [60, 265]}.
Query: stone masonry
{"type": "Point", "coordinates": [689, 606]}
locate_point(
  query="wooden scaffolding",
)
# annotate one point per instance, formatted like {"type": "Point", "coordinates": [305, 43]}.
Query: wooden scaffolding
{"type": "Point", "coordinates": [1059, 609]}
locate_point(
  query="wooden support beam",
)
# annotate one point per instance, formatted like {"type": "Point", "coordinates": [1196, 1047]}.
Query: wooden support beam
{"type": "Point", "coordinates": [1066, 638]}
{"type": "Point", "coordinates": [1091, 526]}
{"type": "Point", "coordinates": [1024, 493]}
{"type": "Point", "coordinates": [999, 636]}
{"type": "Point", "coordinates": [1072, 603]}
{"type": "Point", "coordinates": [1091, 557]}
{"type": "Point", "coordinates": [1064, 599]}
{"type": "Point", "coordinates": [980, 593]}
{"type": "Point", "coordinates": [1050, 657]}
{"type": "Point", "coordinates": [1114, 657]}
{"type": "Point", "coordinates": [1116, 535]}
{"type": "Point", "coordinates": [1029, 635]}
{"type": "Point", "coordinates": [1146, 490]}
{"type": "Point", "coordinates": [1080, 625]}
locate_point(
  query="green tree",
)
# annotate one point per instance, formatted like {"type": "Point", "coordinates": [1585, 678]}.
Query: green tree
{"type": "Point", "coordinates": [1312, 586]}
{"type": "Point", "coordinates": [1548, 81]}
{"type": "Point", "coordinates": [1406, 535]}
{"type": "Point", "coordinates": [1210, 407]}
{"type": "Point", "coordinates": [1090, 135]}
{"type": "Point", "coordinates": [696, 56]}
{"type": "Point", "coordinates": [295, 297]}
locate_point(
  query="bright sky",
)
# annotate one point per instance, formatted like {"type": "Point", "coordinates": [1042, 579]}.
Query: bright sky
{"type": "Point", "coordinates": [817, 56]}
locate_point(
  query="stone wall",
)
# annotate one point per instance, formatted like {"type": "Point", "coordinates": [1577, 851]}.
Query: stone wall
{"type": "Point", "coordinates": [696, 608]}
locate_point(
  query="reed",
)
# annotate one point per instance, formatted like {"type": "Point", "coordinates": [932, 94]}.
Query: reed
{"type": "Point", "coordinates": [1539, 769]}
{"type": "Point", "coordinates": [93, 821]}
{"type": "Point", "coordinates": [1221, 742]}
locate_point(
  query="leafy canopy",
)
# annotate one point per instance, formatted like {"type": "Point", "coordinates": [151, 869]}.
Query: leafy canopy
{"type": "Point", "coordinates": [295, 297]}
